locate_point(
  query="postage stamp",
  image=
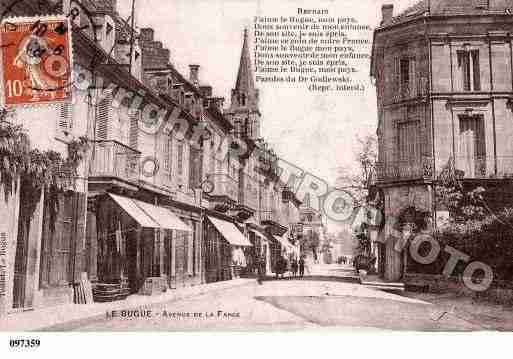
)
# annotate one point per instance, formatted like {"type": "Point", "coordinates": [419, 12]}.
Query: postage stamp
{"type": "Point", "coordinates": [36, 60]}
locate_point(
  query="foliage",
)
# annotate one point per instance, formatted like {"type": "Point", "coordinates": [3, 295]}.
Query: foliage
{"type": "Point", "coordinates": [362, 239]}
{"type": "Point", "coordinates": [311, 241]}
{"type": "Point", "coordinates": [358, 181]}
{"type": "Point", "coordinates": [475, 229]}
{"type": "Point", "coordinates": [36, 170]}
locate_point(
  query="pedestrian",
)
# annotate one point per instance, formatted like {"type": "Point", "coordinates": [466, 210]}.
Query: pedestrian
{"type": "Point", "coordinates": [260, 269]}
{"type": "Point", "coordinates": [294, 267]}
{"type": "Point", "coordinates": [301, 267]}
{"type": "Point", "coordinates": [285, 266]}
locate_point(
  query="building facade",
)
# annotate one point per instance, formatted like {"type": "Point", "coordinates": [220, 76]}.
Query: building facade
{"type": "Point", "coordinates": [443, 75]}
{"type": "Point", "coordinates": [157, 202]}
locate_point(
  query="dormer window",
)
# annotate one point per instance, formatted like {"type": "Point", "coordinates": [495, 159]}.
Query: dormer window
{"type": "Point", "coordinates": [137, 54]}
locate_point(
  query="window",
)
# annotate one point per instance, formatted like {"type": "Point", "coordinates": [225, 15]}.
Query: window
{"type": "Point", "coordinates": [180, 158]}
{"type": "Point", "coordinates": [133, 135]}
{"type": "Point", "coordinates": [168, 152]}
{"type": "Point", "coordinates": [408, 141]}
{"type": "Point", "coordinates": [471, 157]}
{"type": "Point", "coordinates": [65, 117]}
{"type": "Point", "coordinates": [468, 64]}
{"type": "Point", "coordinates": [405, 71]}
{"type": "Point", "coordinates": [195, 167]}
{"type": "Point", "coordinates": [109, 29]}
{"type": "Point", "coordinates": [238, 128]}
{"type": "Point", "coordinates": [102, 117]}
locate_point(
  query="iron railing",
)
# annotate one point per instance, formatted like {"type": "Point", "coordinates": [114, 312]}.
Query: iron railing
{"type": "Point", "coordinates": [224, 185]}
{"type": "Point", "coordinates": [114, 159]}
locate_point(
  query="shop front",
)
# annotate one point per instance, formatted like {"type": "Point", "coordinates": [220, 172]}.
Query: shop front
{"type": "Point", "coordinates": [132, 237]}
{"type": "Point", "coordinates": [225, 250]}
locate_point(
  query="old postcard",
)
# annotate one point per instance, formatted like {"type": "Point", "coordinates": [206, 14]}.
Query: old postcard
{"type": "Point", "coordinates": [255, 165]}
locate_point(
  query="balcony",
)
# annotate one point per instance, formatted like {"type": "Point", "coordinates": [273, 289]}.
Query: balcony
{"type": "Point", "coordinates": [465, 167]}
{"type": "Point", "coordinates": [409, 91]}
{"type": "Point", "coordinates": [114, 162]}
{"type": "Point", "coordinates": [483, 167]}
{"type": "Point", "coordinates": [224, 194]}
{"type": "Point", "coordinates": [271, 219]}
{"type": "Point", "coordinates": [248, 199]}
{"type": "Point", "coordinates": [404, 170]}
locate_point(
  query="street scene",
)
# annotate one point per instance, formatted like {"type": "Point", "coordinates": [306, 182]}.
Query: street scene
{"type": "Point", "coordinates": [327, 298]}
{"type": "Point", "coordinates": [155, 177]}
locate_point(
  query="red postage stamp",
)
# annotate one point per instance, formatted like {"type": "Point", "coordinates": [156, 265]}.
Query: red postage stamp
{"type": "Point", "coordinates": [36, 60]}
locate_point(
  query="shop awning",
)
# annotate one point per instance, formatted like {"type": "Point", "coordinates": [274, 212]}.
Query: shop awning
{"type": "Point", "coordinates": [134, 211]}
{"type": "Point", "coordinates": [230, 232]}
{"type": "Point", "coordinates": [283, 241]}
{"type": "Point", "coordinates": [148, 215]}
{"type": "Point", "coordinates": [257, 233]}
{"type": "Point", "coordinates": [163, 216]}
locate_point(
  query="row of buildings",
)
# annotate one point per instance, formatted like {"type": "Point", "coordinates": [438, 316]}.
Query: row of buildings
{"type": "Point", "coordinates": [444, 80]}
{"type": "Point", "coordinates": [195, 217]}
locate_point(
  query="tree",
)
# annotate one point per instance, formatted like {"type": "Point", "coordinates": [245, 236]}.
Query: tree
{"type": "Point", "coordinates": [357, 180]}
{"type": "Point", "coordinates": [311, 242]}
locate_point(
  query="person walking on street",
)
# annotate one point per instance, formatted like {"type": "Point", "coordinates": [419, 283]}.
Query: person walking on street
{"type": "Point", "coordinates": [294, 267]}
{"type": "Point", "coordinates": [260, 269]}
{"type": "Point", "coordinates": [301, 267]}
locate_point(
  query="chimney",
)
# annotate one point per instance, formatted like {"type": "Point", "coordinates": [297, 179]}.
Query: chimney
{"type": "Point", "coordinates": [193, 74]}
{"type": "Point", "coordinates": [206, 91]}
{"type": "Point", "coordinates": [147, 34]}
{"type": "Point", "coordinates": [387, 12]}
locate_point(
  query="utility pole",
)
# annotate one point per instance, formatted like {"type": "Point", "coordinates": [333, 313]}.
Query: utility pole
{"type": "Point", "coordinates": [132, 38]}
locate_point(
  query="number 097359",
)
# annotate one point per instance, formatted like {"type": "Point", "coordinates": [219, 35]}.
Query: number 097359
{"type": "Point", "coordinates": [24, 343]}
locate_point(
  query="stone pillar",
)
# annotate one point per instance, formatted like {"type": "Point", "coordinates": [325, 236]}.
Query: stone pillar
{"type": "Point", "coordinates": [172, 280]}
{"type": "Point", "coordinates": [34, 253]}
{"type": "Point", "coordinates": [393, 262]}
{"type": "Point", "coordinates": [92, 247]}
{"type": "Point", "coordinates": [138, 241]}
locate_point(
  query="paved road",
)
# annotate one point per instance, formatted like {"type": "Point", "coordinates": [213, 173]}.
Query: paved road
{"type": "Point", "coordinates": [289, 305]}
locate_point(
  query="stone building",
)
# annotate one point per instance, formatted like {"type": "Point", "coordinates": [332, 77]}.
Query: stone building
{"type": "Point", "coordinates": [443, 76]}
{"type": "Point", "coordinates": [153, 207]}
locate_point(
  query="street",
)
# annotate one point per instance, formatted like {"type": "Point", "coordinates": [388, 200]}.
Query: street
{"type": "Point", "coordinates": [321, 300]}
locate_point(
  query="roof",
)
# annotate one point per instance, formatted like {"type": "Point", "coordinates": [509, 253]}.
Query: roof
{"type": "Point", "coordinates": [245, 82]}
{"type": "Point", "coordinates": [452, 8]}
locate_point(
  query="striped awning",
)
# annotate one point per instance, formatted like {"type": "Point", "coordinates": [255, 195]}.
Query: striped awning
{"type": "Point", "coordinates": [150, 216]}
{"type": "Point", "coordinates": [230, 232]}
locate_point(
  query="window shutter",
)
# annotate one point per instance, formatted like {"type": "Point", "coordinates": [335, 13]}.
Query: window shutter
{"type": "Point", "coordinates": [476, 71]}
{"type": "Point", "coordinates": [397, 77]}
{"type": "Point", "coordinates": [166, 151]}
{"type": "Point", "coordinates": [133, 134]}
{"type": "Point", "coordinates": [413, 78]}
{"type": "Point", "coordinates": [3, 264]}
{"type": "Point", "coordinates": [65, 117]}
{"type": "Point", "coordinates": [190, 252]}
{"type": "Point", "coordinates": [102, 117]}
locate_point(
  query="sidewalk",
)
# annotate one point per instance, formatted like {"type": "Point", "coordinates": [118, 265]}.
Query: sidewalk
{"type": "Point", "coordinates": [46, 318]}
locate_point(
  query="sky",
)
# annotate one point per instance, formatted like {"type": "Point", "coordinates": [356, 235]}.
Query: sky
{"type": "Point", "coordinates": [315, 131]}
